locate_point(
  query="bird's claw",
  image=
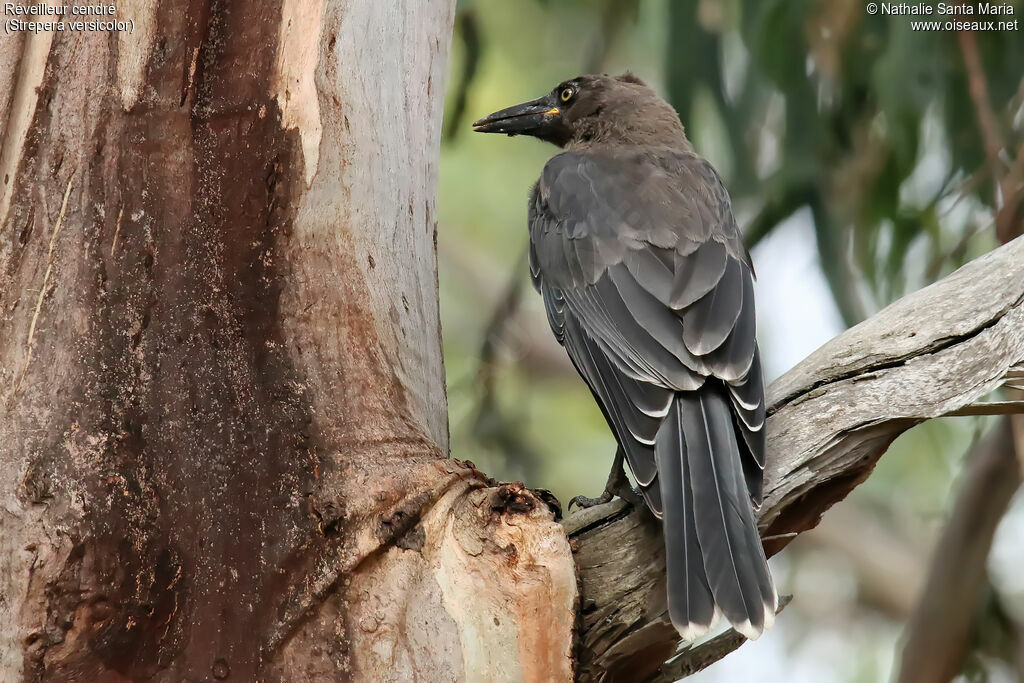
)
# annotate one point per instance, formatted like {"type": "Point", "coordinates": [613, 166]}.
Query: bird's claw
{"type": "Point", "coordinates": [584, 502]}
{"type": "Point", "coordinates": [617, 485]}
{"type": "Point", "coordinates": [625, 492]}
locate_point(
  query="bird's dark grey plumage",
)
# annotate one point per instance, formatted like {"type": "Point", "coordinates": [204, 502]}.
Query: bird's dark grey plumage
{"type": "Point", "coordinates": [647, 284]}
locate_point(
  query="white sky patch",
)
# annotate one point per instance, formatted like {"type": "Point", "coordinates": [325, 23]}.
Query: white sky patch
{"type": "Point", "coordinates": [1007, 557]}
{"type": "Point", "coordinates": [795, 310]}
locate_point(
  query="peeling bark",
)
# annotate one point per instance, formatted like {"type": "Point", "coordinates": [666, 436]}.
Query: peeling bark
{"type": "Point", "coordinates": [222, 408]}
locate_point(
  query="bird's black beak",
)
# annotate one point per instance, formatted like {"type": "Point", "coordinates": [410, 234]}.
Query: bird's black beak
{"type": "Point", "coordinates": [528, 118]}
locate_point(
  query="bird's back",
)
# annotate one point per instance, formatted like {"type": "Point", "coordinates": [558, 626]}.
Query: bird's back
{"type": "Point", "coordinates": [647, 284]}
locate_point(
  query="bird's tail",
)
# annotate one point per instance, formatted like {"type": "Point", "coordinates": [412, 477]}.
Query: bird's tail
{"type": "Point", "coordinates": [714, 556]}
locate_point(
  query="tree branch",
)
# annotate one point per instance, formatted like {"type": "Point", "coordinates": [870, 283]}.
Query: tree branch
{"type": "Point", "coordinates": [1008, 191]}
{"type": "Point", "coordinates": [468, 30]}
{"type": "Point", "coordinates": [697, 658]}
{"type": "Point", "coordinates": [831, 418]}
{"type": "Point", "coordinates": [937, 635]}
{"type": "Point", "coordinates": [991, 137]}
{"type": "Point", "coordinates": [614, 18]}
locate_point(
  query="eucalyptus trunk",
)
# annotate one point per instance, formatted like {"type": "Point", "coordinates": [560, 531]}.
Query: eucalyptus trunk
{"type": "Point", "coordinates": [223, 425]}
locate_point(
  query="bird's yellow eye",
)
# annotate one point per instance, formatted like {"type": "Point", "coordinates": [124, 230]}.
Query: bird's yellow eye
{"type": "Point", "coordinates": [567, 94]}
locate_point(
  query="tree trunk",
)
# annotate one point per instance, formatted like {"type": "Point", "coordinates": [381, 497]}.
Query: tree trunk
{"type": "Point", "coordinates": [222, 418]}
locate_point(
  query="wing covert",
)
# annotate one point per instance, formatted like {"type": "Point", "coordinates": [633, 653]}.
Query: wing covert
{"type": "Point", "coordinates": [647, 283]}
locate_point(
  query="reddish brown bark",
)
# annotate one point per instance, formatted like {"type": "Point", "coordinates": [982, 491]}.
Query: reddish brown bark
{"type": "Point", "coordinates": [222, 427]}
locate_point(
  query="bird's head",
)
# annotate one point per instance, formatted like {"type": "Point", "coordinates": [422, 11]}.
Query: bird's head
{"type": "Point", "coordinates": [595, 108]}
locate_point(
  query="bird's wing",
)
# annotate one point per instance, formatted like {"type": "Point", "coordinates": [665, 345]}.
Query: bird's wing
{"type": "Point", "coordinates": [646, 282]}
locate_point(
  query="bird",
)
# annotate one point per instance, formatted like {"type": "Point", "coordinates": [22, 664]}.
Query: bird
{"type": "Point", "coordinates": [648, 286]}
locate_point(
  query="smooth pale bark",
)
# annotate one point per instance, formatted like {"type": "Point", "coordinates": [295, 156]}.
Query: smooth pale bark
{"type": "Point", "coordinates": [222, 407]}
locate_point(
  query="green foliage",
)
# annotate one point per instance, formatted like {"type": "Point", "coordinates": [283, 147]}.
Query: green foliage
{"type": "Point", "coordinates": [857, 91]}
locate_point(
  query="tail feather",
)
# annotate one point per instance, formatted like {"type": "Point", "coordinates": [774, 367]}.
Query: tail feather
{"type": "Point", "coordinates": [755, 554]}
{"type": "Point", "coordinates": [691, 606]}
{"type": "Point", "coordinates": [713, 549]}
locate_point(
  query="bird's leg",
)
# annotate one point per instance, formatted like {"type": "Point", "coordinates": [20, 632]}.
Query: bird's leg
{"type": "Point", "coordinates": [617, 485]}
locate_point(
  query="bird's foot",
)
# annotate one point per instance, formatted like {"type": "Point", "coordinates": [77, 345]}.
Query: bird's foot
{"type": "Point", "coordinates": [621, 489]}
{"type": "Point", "coordinates": [631, 495]}
{"type": "Point", "coordinates": [584, 502]}
{"type": "Point", "coordinates": [617, 485]}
